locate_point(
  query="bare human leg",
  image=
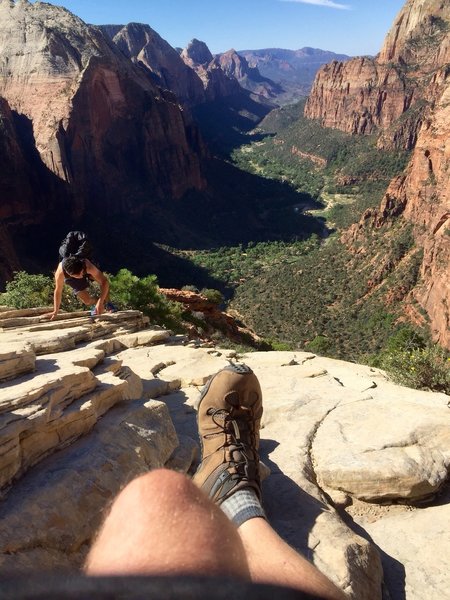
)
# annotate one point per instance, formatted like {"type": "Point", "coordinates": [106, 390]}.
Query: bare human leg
{"type": "Point", "coordinates": [271, 560]}
{"type": "Point", "coordinates": [162, 524]}
{"type": "Point", "coordinates": [85, 297]}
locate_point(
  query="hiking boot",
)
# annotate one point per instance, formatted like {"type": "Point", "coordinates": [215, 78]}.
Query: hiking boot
{"type": "Point", "coordinates": [228, 418]}
{"type": "Point", "coordinates": [93, 311]}
{"type": "Point", "coordinates": [110, 307]}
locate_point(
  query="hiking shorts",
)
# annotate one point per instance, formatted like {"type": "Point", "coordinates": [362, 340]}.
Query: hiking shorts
{"type": "Point", "coordinates": [77, 285]}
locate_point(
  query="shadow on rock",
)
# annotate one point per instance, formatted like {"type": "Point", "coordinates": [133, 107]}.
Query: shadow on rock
{"type": "Point", "coordinates": [291, 511]}
{"type": "Point", "coordinates": [393, 570]}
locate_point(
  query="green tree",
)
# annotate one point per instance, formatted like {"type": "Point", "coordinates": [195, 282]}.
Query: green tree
{"type": "Point", "coordinates": [128, 291]}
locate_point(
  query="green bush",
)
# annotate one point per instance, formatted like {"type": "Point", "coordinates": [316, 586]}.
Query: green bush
{"type": "Point", "coordinates": [29, 291]}
{"type": "Point", "coordinates": [34, 291]}
{"type": "Point", "coordinates": [421, 368]}
{"type": "Point", "coordinates": [273, 344]}
{"type": "Point", "coordinates": [213, 296]}
{"type": "Point", "coordinates": [405, 339]}
{"type": "Point", "coordinates": [127, 291]}
{"type": "Point", "coordinates": [189, 288]}
{"type": "Point", "coordinates": [319, 345]}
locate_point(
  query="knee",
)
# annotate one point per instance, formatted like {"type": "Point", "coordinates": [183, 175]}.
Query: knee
{"type": "Point", "coordinates": [157, 488]}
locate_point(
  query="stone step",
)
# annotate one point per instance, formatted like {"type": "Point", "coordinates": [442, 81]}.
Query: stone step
{"type": "Point", "coordinates": [16, 358]}
{"type": "Point", "coordinates": [52, 513]}
{"type": "Point", "coordinates": [50, 387]}
{"type": "Point", "coordinates": [39, 317]}
{"type": "Point", "coordinates": [59, 416]}
{"type": "Point", "coordinates": [6, 312]}
{"type": "Point", "coordinates": [61, 400]}
{"type": "Point", "coordinates": [47, 339]}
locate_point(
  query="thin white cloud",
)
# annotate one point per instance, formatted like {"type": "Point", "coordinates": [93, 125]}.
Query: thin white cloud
{"type": "Point", "coordinates": [327, 3]}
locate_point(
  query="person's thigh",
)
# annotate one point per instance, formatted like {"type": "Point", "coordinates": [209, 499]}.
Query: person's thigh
{"type": "Point", "coordinates": [85, 297]}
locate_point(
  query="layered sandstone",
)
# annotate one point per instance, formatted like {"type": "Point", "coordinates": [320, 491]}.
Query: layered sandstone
{"type": "Point", "coordinates": [99, 123]}
{"type": "Point", "coordinates": [333, 434]}
{"type": "Point", "coordinates": [360, 96]}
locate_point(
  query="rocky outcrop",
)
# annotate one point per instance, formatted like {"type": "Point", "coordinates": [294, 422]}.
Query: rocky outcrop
{"type": "Point", "coordinates": [196, 53]}
{"type": "Point", "coordinates": [235, 65]}
{"type": "Point", "coordinates": [212, 318]}
{"type": "Point", "coordinates": [216, 82]}
{"type": "Point", "coordinates": [419, 36]}
{"type": "Point", "coordinates": [334, 434]}
{"type": "Point", "coordinates": [99, 123]}
{"type": "Point", "coordinates": [145, 47]}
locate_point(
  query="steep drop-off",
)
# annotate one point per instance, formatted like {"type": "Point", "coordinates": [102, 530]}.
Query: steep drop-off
{"type": "Point", "coordinates": [96, 122]}
{"type": "Point", "coordinates": [145, 47]}
{"type": "Point", "coordinates": [419, 45]}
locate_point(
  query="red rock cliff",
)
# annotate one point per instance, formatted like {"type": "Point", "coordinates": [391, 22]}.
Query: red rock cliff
{"type": "Point", "coordinates": [146, 47]}
{"type": "Point", "coordinates": [424, 196]}
{"type": "Point", "coordinates": [99, 122]}
{"type": "Point", "coordinates": [366, 95]}
{"type": "Point", "coordinates": [417, 55]}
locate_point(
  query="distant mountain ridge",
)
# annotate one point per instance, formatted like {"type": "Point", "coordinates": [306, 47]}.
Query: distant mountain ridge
{"type": "Point", "coordinates": [293, 70]}
{"type": "Point", "coordinates": [145, 47]}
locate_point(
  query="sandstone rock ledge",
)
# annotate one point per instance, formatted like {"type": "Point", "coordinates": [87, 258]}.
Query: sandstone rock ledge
{"type": "Point", "coordinates": [347, 448]}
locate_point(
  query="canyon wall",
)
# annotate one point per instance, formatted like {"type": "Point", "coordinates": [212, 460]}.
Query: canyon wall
{"type": "Point", "coordinates": [147, 48]}
{"type": "Point", "coordinates": [403, 96]}
{"type": "Point", "coordinates": [391, 92]}
{"type": "Point", "coordinates": [217, 83]}
{"type": "Point", "coordinates": [98, 123]}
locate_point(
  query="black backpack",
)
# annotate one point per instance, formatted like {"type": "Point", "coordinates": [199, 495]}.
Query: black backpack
{"type": "Point", "coordinates": [75, 243]}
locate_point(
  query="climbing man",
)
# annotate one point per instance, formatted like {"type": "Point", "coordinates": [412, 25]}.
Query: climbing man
{"type": "Point", "coordinates": [207, 538]}
{"type": "Point", "coordinates": [77, 271]}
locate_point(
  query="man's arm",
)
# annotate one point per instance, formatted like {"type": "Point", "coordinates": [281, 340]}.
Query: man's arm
{"type": "Point", "coordinates": [57, 294]}
{"type": "Point", "coordinates": [103, 282]}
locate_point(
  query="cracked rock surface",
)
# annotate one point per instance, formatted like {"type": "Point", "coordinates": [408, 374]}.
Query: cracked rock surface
{"type": "Point", "coordinates": [116, 397]}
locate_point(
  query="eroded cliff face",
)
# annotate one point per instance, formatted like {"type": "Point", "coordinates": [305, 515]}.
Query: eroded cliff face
{"type": "Point", "coordinates": [15, 187]}
{"type": "Point", "coordinates": [216, 82]}
{"type": "Point", "coordinates": [423, 197]}
{"type": "Point", "coordinates": [391, 92]}
{"type": "Point", "coordinates": [236, 65]}
{"type": "Point", "coordinates": [417, 49]}
{"type": "Point", "coordinates": [362, 96]}
{"type": "Point", "coordinates": [92, 111]}
{"type": "Point", "coordinates": [419, 36]}
{"type": "Point", "coordinates": [146, 47]}
{"type": "Point", "coordinates": [25, 184]}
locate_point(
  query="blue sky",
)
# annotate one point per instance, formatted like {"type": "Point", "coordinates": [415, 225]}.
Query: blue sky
{"type": "Point", "coordinates": [352, 27]}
